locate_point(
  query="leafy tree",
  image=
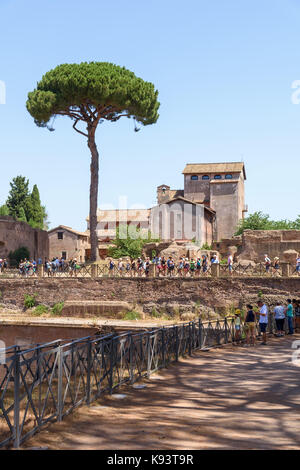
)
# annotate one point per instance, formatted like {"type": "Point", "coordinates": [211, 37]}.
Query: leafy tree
{"type": "Point", "coordinates": [90, 93]}
{"type": "Point", "coordinates": [35, 211]}
{"type": "Point", "coordinates": [260, 221]}
{"type": "Point", "coordinates": [4, 210]}
{"type": "Point", "coordinates": [128, 245]}
{"type": "Point", "coordinates": [23, 205]}
{"type": "Point", "coordinates": [18, 195]}
{"type": "Point", "coordinates": [22, 216]}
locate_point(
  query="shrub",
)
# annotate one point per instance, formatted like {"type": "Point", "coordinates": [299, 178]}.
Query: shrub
{"type": "Point", "coordinates": [40, 310]}
{"type": "Point", "coordinates": [16, 256]}
{"type": "Point", "coordinates": [155, 313]}
{"type": "Point", "coordinates": [57, 308]}
{"type": "Point", "coordinates": [206, 246]}
{"type": "Point", "coordinates": [29, 300]}
{"type": "Point", "coordinates": [132, 315]}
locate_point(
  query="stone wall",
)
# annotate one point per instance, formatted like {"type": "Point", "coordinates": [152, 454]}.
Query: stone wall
{"type": "Point", "coordinates": [14, 234]}
{"type": "Point", "coordinates": [254, 244]}
{"type": "Point", "coordinates": [148, 293]}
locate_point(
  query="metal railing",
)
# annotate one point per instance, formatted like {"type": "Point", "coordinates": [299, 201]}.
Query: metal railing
{"type": "Point", "coordinates": [47, 382]}
{"type": "Point", "coordinates": [102, 270]}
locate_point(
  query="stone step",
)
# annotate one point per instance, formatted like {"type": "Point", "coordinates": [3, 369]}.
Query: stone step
{"type": "Point", "coordinates": [103, 308]}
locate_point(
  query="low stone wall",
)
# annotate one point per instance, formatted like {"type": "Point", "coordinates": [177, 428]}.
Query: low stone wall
{"type": "Point", "coordinates": [150, 293]}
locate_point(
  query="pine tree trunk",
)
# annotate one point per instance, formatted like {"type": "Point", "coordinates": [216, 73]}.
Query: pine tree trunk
{"type": "Point", "coordinates": [93, 193]}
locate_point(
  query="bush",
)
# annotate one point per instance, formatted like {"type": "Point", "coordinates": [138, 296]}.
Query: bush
{"type": "Point", "coordinates": [16, 256]}
{"type": "Point", "coordinates": [57, 308]}
{"type": "Point", "coordinates": [155, 313]}
{"type": "Point", "coordinates": [40, 310]}
{"type": "Point", "coordinates": [29, 300]}
{"type": "Point", "coordinates": [206, 246]}
{"type": "Point", "coordinates": [133, 315]}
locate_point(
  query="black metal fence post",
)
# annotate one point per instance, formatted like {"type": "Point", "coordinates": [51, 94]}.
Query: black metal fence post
{"type": "Point", "coordinates": [190, 339]}
{"type": "Point", "coordinates": [226, 330]}
{"type": "Point", "coordinates": [88, 375]}
{"type": "Point", "coordinates": [149, 355]}
{"type": "Point", "coordinates": [16, 436]}
{"type": "Point", "coordinates": [163, 347]}
{"type": "Point", "coordinates": [60, 384]}
{"type": "Point", "coordinates": [176, 343]}
{"type": "Point", "coordinates": [131, 365]}
{"type": "Point", "coordinates": [200, 333]}
{"type": "Point", "coordinates": [111, 366]}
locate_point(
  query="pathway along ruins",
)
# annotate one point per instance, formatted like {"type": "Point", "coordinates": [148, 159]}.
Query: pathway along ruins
{"type": "Point", "coordinates": [227, 398]}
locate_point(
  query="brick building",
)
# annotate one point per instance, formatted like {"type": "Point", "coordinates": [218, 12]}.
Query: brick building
{"type": "Point", "coordinates": [207, 209]}
{"type": "Point", "coordinates": [67, 243]}
{"type": "Point", "coordinates": [15, 234]}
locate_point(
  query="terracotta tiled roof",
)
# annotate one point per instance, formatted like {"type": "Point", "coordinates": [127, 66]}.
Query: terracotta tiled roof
{"type": "Point", "coordinates": [226, 167]}
{"type": "Point", "coordinates": [119, 215]}
{"type": "Point", "coordinates": [69, 229]}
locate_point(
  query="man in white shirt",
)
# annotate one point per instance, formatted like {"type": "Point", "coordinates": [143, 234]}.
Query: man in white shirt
{"type": "Point", "coordinates": [263, 320]}
{"type": "Point", "coordinates": [279, 319]}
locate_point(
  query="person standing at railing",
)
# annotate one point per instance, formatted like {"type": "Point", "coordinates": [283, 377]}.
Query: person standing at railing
{"type": "Point", "coordinates": [296, 305]}
{"type": "Point", "coordinates": [263, 320]}
{"type": "Point", "coordinates": [204, 264]}
{"type": "Point", "coordinates": [279, 316]}
{"type": "Point", "coordinates": [290, 316]}
{"type": "Point", "coordinates": [267, 263]}
{"type": "Point", "coordinates": [250, 326]}
{"type": "Point", "coordinates": [298, 264]}
{"type": "Point", "coordinates": [230, 263]}
{"type": "Point", "coordinates": [111, 266]}
{"type": "Point", "coordinates": [276, 266]}
{"type": "Point", "coordinates": [237, 325]}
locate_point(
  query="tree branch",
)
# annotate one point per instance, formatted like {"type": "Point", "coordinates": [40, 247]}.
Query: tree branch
{"type": "Point", "coordinates": [80, 132]}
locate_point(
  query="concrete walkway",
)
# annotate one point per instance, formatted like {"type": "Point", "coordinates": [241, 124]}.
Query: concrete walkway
{"type": "Point", "coordinates": [227, 398]}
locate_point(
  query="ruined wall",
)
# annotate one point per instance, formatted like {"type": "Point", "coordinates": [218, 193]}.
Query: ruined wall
{"type": "Point", "coordinates": [254, 244]}
{"type": "Point", "coordinates": [14, 234]}
{"type": "Point", "coordinates": [146, 292]}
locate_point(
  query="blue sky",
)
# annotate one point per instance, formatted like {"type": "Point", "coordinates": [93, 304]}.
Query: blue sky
{"type": "Point", "coordinates": [224, 71]}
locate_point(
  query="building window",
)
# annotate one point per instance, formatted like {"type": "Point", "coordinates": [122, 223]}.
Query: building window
{"type": "Point", "coordinates": [64, 255]}
{"type": "Point", "coordinates": [217, 177]}
{"type": "Point", "coordinates": [228, 177]}
{"type": "Point", "coordinates": [194, 177]}
{"type": "Point", "coordinates": [205, 177]}
{"type": "Point", "coordinates": [60, 235]}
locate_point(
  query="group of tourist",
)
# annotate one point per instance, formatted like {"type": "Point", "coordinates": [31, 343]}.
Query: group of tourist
{"type": "Point", "coordinates": [60, 265]}
{"type": "Point", "coordinates": [164, 266]}
{"type": "Point", "coordinates": [3, 265]}
{"type": "Point", "coordinates": [290, 313]}
{"type": "Point", "coordinates": [273, 267]}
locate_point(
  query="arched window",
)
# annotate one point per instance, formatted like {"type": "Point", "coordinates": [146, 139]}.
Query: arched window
{"type": "Point", "coordinates": [205, 177]}
{"type": "Point", "coordinates": [217, 177]}
{"type": "Point", "coordinates": [194, 177]}
{"type": "Point", "coordinates": [228, 177]}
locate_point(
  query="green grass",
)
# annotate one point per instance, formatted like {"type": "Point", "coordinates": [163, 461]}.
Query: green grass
{"type": "Point", "coordinates": [132, 315]}
{"type": "Point", "coordinates": [30, 300]}
{"type": "Point", "coordinates": [57, 308]}
{"type": "Point", "coordinates": [40, 310]}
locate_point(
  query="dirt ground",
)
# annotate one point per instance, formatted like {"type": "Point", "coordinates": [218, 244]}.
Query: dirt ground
{"type": "Point", "coordinates": [227, 398]}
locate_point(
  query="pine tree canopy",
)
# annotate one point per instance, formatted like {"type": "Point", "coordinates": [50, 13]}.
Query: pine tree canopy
{"type": "Point", "coordinates": [78, 90]}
